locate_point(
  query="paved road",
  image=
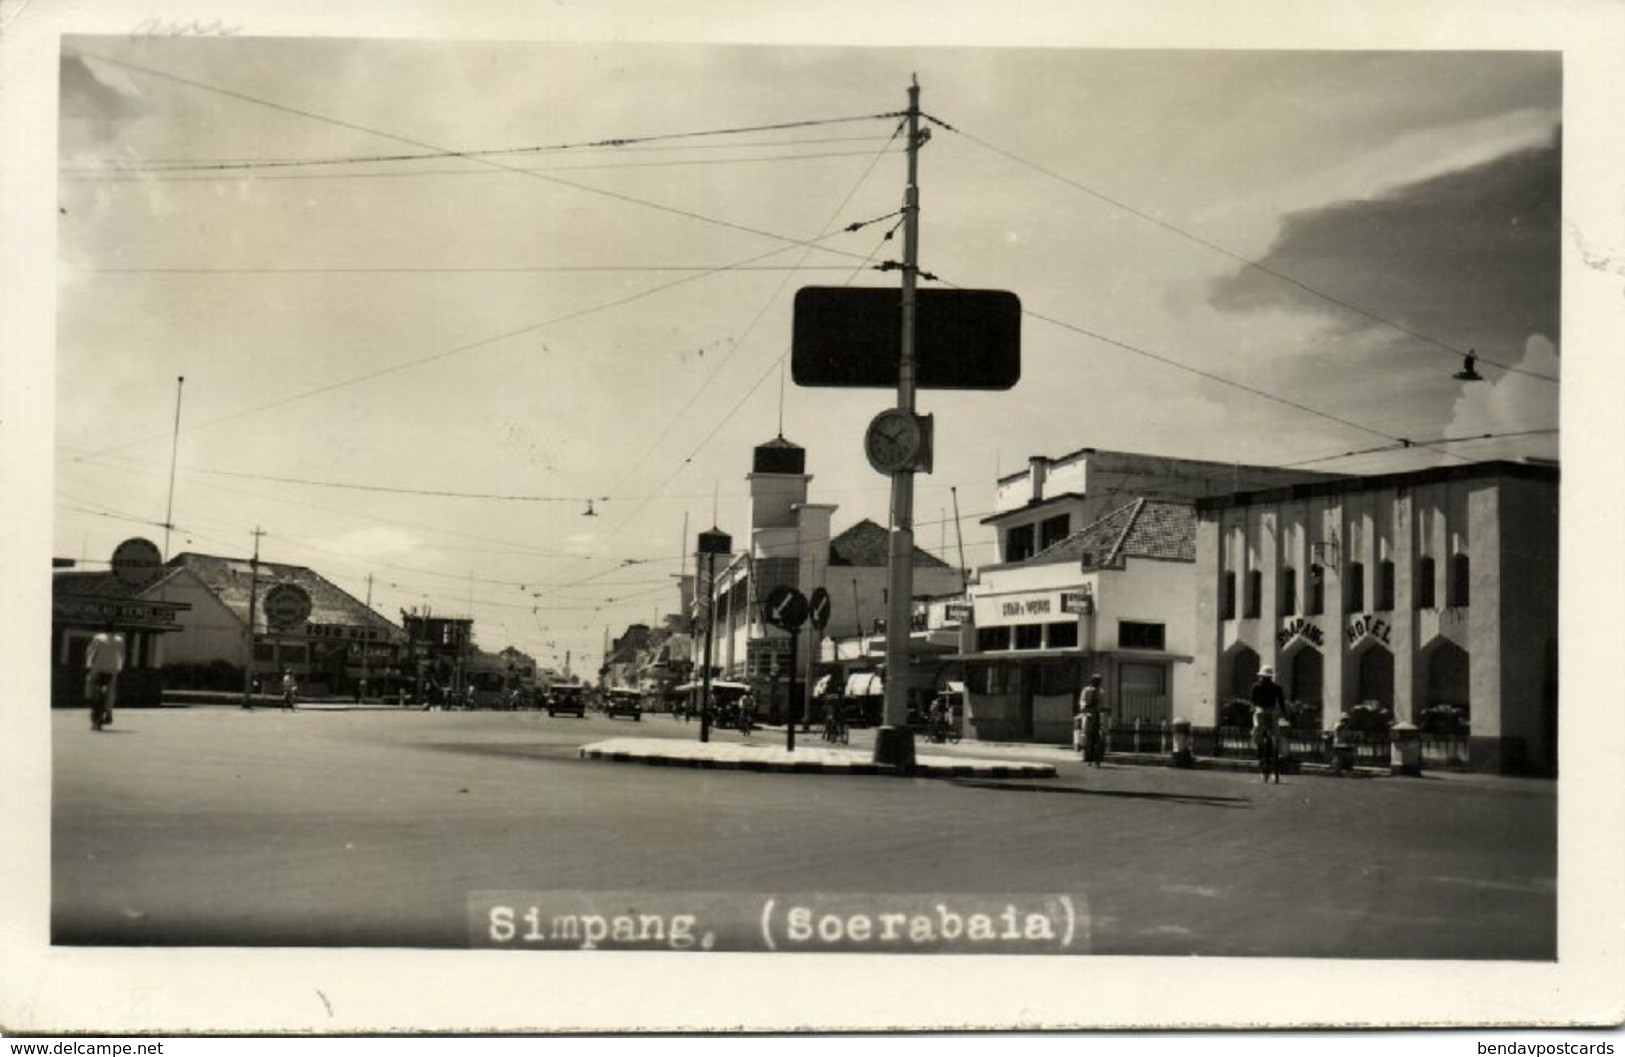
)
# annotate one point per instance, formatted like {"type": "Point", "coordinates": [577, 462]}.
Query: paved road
{"type": "Point", "coordinates": [217, 826]}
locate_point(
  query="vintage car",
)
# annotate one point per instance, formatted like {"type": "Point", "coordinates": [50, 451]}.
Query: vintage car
{"type": "Point", "coordinates": [621, 701]}
{"type": "Point", "coordinates": [567, 697]}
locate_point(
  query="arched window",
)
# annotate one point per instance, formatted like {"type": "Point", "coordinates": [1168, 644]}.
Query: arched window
{"type": "Point", "coordinates": [1424, 583]}
{"type": "Point", "coordinates": [1255, 592]}
{"type": "Point", "coordinates": [1458, 580]}
{"type": "Point", "coordinates": [1317, 591]}
{"type": "Point", "coordinates": [1385, 585]}
{"type": "Point", "coordinates": [1289, 591]}
{"type": "Point", "coordinates": [1227, 597]}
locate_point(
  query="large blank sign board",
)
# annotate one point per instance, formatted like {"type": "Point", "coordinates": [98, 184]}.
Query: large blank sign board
{"type": "Point", "coordinates": [852, 337]}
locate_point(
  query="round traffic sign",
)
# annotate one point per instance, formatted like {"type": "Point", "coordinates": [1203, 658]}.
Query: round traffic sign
{"type": "Point", "coordinates": [286, 605]}
{"type": "Point", "coordinates": [818, 608]}
{"type": "Point", "coordinates": [136, 560]}
{"type": "Point", "coordinates": [785, 607]}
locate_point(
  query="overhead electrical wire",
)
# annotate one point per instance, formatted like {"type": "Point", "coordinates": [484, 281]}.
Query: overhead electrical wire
{"type": "Point", "coordinates": [750, 328]}
{"type": "Point", "coordinates": [1209, 375]}
{"type": "Point", "coordinates": [437, 153]}
{"type": "Point", "coordinates": [171, 176]}
{"type": "Point", "coordinates": [476, 158]}
{"type": "Point", "coordinates": [1232, 254]}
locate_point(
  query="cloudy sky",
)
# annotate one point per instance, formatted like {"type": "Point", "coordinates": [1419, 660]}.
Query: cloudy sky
{"type": "Point", "coordinates": [1266, 257]}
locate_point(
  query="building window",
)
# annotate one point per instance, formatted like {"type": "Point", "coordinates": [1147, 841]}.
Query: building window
{"type": "Point", "coordinates": [1424, 583]}
{"type": "Point", "coordinates": [1029, 636]}
{"type": "Point", "coordinates": [1134, 635]}
{"type": "Point", "coordinates": [264, 651]}
{"type": "Point", "coordinates": [1385, 585]}
{"type": "Point", "coordinates": [1458, 580]}
{"type": "Point", "coordinates": [1063, 636]}
{"type": "Point", "coordinates": [775, 572]}
{"type": "Point", "coordinates": [1317, 591]}
{"type": "Point", "coordinates": [1255, 591]}
{"type": "Point", "coordinates": [1227, 597]}
{"type": "Point", "coordinates": [1018, 545]}
{"type": "Point", "coordinates": [988, 639]}
{"type": "Point", "coordinates": [1289, 590]}
{"type": "Point", "coordinates": [1354, 588]}
{"type": "Point", "coordinates": [991, 679]}
{"type": "Point", "coordinates": [1053, 530]}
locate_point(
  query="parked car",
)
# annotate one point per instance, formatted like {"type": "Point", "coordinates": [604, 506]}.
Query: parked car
{"type": "Point", "coordinates": [567, 698]}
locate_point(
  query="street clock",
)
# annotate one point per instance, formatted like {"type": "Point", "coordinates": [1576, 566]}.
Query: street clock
{"type": "Point", "coordinates": [898, 440]}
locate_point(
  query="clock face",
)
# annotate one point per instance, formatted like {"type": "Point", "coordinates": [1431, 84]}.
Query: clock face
{"type": "Point", "coordinates": [893, 441]}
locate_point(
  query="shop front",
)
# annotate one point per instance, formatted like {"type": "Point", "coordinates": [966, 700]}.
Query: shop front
{"type": "Point", "coordinates": [83, 604]}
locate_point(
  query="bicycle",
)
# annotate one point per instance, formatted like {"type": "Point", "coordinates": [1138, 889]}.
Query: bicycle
{"type": "Point", "coordinates": [942, 730]}
{"type": "Point", "coordinates": [835, 730]}
{"type": "Point", "coordinates": [1269, 760]}
{"type": "Point", "coordinates": [101, 713]}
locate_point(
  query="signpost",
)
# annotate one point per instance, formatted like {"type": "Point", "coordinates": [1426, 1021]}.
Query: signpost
{"type": "Point", "coordinates": [942, 339]}
{"type": "Point", "coordinates": [786, 608]}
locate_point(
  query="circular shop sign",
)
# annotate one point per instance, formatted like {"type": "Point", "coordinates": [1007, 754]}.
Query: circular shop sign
{"type": "Point", "coordinates": [136, 560]}
{"type": "Point", "coordinates": [286, 605]}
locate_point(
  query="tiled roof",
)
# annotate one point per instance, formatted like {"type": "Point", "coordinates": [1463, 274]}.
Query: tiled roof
{"type": "Point", "coordinates": [93, 584]}
{"type": "Point", "coordinates": [229, 579]}
{"type": "Point", "coordinates": [1145, 528]}
{"type": "Point", "coordinates": [865, 544]}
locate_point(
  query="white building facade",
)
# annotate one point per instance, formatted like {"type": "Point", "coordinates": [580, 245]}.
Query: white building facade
{"type": "Point", "coordinates": [1408, 593]}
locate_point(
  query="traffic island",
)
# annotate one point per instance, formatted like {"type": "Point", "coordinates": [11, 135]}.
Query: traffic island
{"type": "Point", "coordinates": [809, 760]}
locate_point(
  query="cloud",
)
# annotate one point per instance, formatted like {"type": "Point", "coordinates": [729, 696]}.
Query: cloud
{"type": "Point", "coordinates": [373, 543]}
{"type": "Point", "coordinates": [1469, 258]}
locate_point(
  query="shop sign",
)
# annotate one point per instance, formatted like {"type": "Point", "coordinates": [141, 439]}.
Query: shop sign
{"type": "Point", "coordinates": [1297, 627]}
{"type": "Point", "coordinates": [343, 631]}
{"type": "Point", "coordinates": [1077, 601]}
{"type": "Point", "coordinates": [85, 610]}
{"type": "Point", "coordinates": [286, 605]}
{"type": "Point", "coordinates": [1028, 608]}
{"type": "Point", "coordinates": [1367, 625]}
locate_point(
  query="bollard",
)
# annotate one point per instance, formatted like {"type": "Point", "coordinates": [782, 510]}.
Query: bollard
{"type": "Point", "coordinates": [1405, 751]}
{"type": "Point", "coordinates": [1183, 757]}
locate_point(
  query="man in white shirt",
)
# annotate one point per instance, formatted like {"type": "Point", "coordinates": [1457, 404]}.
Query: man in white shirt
{"type": "Point", "coordinates": [104, 659]}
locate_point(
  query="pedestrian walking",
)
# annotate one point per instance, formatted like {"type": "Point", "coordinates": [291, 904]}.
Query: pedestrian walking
{"type": "Point", "coordinates": [104, 660]}
{"type": "Point", "coordinates": [290, 687]}
{"type": "Point", "coordinates": [1087, 733]}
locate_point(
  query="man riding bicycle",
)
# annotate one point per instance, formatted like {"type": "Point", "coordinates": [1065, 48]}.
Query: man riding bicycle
{"type": "Point", "coordinates": [104, 659]}
{"type": "Point", "coordinates": [1269, 702]}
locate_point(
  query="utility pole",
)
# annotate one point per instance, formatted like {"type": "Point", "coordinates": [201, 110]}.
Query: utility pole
{"type": "Point", "coordinates": [366, 642]}
{"type": "Point", "coordinates": [174, 446]}
{"type": "Point", "coordinates": [964, 573]}
{"type": "Point", "coordinates": [894, 741]}
{"type": "Point", "coordinates": [248, 637]}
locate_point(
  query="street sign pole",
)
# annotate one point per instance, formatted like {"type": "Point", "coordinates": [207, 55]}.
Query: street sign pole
{"type": "Point", "coordinates": [790, 707]}
{"type": "Point", "coordinates": [894, 741]}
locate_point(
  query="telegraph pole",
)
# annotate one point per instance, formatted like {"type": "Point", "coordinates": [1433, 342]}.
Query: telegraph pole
{"type": "Point", "coordinates": [366, 641]}
{"type": "Point", "coordinates": [174, 446]}
{"type": "Point", "coordinates": [248, 638]}
{"type": "Point", "coordinates": [894, 741]}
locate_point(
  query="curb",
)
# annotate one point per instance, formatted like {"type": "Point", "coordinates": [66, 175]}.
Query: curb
{"type": "Point", "coordinates": [859, 767]}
